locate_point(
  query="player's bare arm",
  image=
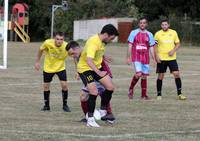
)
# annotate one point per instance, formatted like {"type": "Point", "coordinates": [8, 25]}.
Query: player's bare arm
{"type": "Point", "coordinates": [108, 58]}
{"type": "Point", "coordinates": [94, 68]}
{"type": "Point", "coordinates": [128, 60]}
{"type": "Point", "coordinates": [37, 60]}
{"type": "Point", "coordinates": [74, 51]}
{"type": "Point", "coordinates": [157, 58]}
{"type": "Point", "coordinates": [177, 46]}
{"type": "Point", "coordinates": [75, 63]}
{"type": "Point", "coordinates": [153, 55]}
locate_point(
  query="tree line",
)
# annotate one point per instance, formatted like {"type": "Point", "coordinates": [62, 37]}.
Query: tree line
{"type": "Point", "coordinates": [40, 12]}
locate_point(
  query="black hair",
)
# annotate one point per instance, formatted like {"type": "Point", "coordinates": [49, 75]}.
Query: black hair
{"type": "Point", "coordinates": [59, 33]}
{"type": "Point", "coordinates": [72, 44]}
{"type": "Point", "coordinates": [110, 30]}
{"type": "Point", "coordinates": [142, 18]}
{"type": "Point", "coordinates": [165, 20]}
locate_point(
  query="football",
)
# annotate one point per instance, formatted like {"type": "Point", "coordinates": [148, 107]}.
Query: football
{"type": "Point", "coordinates": [97, 115]}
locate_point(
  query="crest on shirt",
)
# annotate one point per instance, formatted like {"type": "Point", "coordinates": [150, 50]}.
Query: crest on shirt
{"type": "Point", "coordinates": [170, 35]}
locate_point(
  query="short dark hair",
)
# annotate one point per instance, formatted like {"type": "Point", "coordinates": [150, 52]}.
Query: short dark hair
{"type": "Point", "coordinates": [165, 20]}
{"type": "Point", "coordinates": [59, 33]}
{"type": "Point", "coordinates": [142, 18]}
{"type": "Point", "coordinates": [110, 30]}
{"type": "Point", "coordinates": [72, 44]}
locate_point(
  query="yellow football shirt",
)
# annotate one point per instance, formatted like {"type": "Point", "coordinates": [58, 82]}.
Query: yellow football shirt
{"type": "Point", "coordinates": [95, 49]}
{"type": "Point", "coordinates": [54, 60]}
{"type": "Point", "coordinates": [166, 41]}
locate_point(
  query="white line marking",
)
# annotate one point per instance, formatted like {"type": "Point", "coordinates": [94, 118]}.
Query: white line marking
{"type": "Point", "coordinates": [106, 136]}
{"type": "Point", "coordinates": [75, 81]}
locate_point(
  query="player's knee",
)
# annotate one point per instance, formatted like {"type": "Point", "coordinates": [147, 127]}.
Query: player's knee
{"type": "Point", "coordinates": [64, 86]}
{"type": "Point", "coordinates": [46, 87]}
{"type": "Point", "coordinates": [93, 91]}
{"type": "Point", "coordinates": [176, 74]}
{"type": "Point", "coordinates": [161, 77]}
{"type": "Point", "coordinates": [111, 88]}
{"type": "Point", "coordinates": [138, 75]}
{"type": "Point", "coordinates": [83, 96]}
{"type": "Point", "coordinates": [144, 77]}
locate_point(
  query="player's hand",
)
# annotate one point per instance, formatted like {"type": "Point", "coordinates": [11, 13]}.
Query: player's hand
{"type": "Point", "coordinates": [128, 61]}
{"type": "Point", "coordinates": [37, 66]}
{"type": "Point", "coordinates": [107, 58]}
{"type": "Point", "coordinates": [171, 53]}
{"type": "Point", "coordinates": [77, 77]}
{"type": "Point", "coordinates": [102, 73]}
{"type": "Point", "coordinates": [158, 59]}
{"type": "Point", "coordinates": [154, 63]}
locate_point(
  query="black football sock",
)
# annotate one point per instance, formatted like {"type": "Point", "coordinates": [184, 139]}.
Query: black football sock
{"type": "Point", "coordinates": [159, 87]}
{"type": "Point", "coordinates": [178, 85]}
{"type": "Point", "coordinates": [46, 98]}
{"type": "Point", "coordinates": [105, 99]}
{"type": "Point", "coordinates": [64, 97]}
{"type": "Point", "coordinates": [91, 104]}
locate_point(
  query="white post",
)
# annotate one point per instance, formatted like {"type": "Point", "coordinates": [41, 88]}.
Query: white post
{"type": "Point", "coordinates": [64, 7]}
{"type": "Point", "coordinates": [5, 34]}
{"type": "Point", "coordinates": [52, 20]}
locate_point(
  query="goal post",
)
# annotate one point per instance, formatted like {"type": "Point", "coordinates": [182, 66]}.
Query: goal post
{"type": "Point", "coordinates": [3, 65]}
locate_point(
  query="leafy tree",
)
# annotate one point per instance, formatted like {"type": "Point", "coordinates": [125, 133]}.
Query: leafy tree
{"type": "Point", "coordinates": [153, 9]}
{"type": "Point", "coordinates": [40, 12]}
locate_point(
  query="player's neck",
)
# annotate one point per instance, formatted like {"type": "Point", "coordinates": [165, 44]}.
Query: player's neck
{"type": "Point", "coordinates": [57, 46]}
{"type": "Point", "coordinates": [165, 30]}
{"type": "Point", "coordinates": [142, 30]}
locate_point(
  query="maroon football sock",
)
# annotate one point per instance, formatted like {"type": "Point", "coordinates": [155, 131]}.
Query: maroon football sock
{"type": "Point", "coordinates": [133, 82]}
{"type": "Point", "coordinates": [84, 106]}
{"type": "Point", "coordinates": [144, 87]}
